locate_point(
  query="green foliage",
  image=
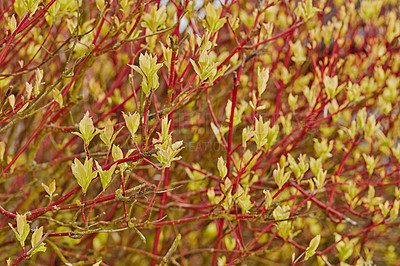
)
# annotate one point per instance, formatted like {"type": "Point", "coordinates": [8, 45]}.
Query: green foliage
{"type": "Point", "coordinates": [213, 22]}
{"type": "Point", "coordinates": [229, 132]}
{"type": "Point", "coordinates": [83, 173]}
{"type": "Point", "coordinates": [166, 150]}
{"type": "Point", "coordinates": [23, 229]}
{"type": "Point", "coordinates": [107, 135]}
{"type": "Point", "coordinates": [86, 129]}
{"type": "Point", "coordinates": [264, 135]}
{"type": "Point", "coordinates": [280, 176]}
{"type": "Point", "coordinates": [105, 175]}
{"type": "Point", "coordinates": [310, 251]}
{"type": "Point", "coordinates": [207, 69]}
{"type": "Point", "coordinates": [36, 241]}
{"type": "Point", "coordinates": [155, 18]}
{"type": "Point", "coordinates": [148, 68]}
{"type": "Point", "coordinates": [132, 123]}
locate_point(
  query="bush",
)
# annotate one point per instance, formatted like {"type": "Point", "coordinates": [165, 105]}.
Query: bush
{"type": "Point", "coordinates": [191, 133]}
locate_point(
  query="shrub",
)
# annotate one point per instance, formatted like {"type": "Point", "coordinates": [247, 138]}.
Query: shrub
{"type": "Point", "coordinates": [184, 132]}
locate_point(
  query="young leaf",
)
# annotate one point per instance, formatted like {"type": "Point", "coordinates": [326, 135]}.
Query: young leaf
{"type": "Point", "coordinates": [244, 199]}
{"type": "Point", "coordinates": [320, 178]}
{"type": "Point", "coordinates": [107, 135]}
{"type": "Point", "coordinates": [58, 97]}
{"type": "Point", "coordinates": [229, 242]}
{"type": "Point", "coordinates": [148, 68]}
{"type": "Point", "coordinates": [312, 247]}
{"type": "Point", "coordinates": [105, 175]}
{"type": "Point", "coordinates": [22, 229]}
{"type": "Point", "coordinates": [247, 134]}
{"type": "Point", "coordinates": [261, 132]}
{"type": "Point", "coordinates": [3, 149]}
{"type": "Point", "coordinates": [50, 189]}
{"type": "Point", "coordinates": [83, 173]}
{"type": "Point", "coordinates": [31, 5]}
{"type": "Point", "coordinates": [331, 86]}
{"type": "Point", "coordinates": [167, 151]}
{"type": "Point", "coordinates": [155, 18]}
{"type": "Point", "coordinates": [305, 10]}
{"type": "Point", "coordinates": [299, 52]}
{"type": "Point", "coordinates": [263, 77]}
{"type": "Point", "coordinates": [371, 162]}
{"type": "Point", "coordinates": [86, 129]}
{"type": "Point", "coordinates": [36, 237]}
{"type": "Point", "coordinates": [11, 101]}
{"type": "Point", "coordinates": [117, 153]}
{"type": "Point", "coordinates": [268, 198]}
{"type": "Point", "coordinates": [100, 4]}
{"type": "Point", "coordinates": [222, 167]}
{"type": "Point", "coordinates": [292, 100]}
{"type": "Point", "coordinates": [213, 22]}
{"type": "Point", "coordinates": [280, 176]}
{"type": "Point", "coordinates": [132, 122]}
